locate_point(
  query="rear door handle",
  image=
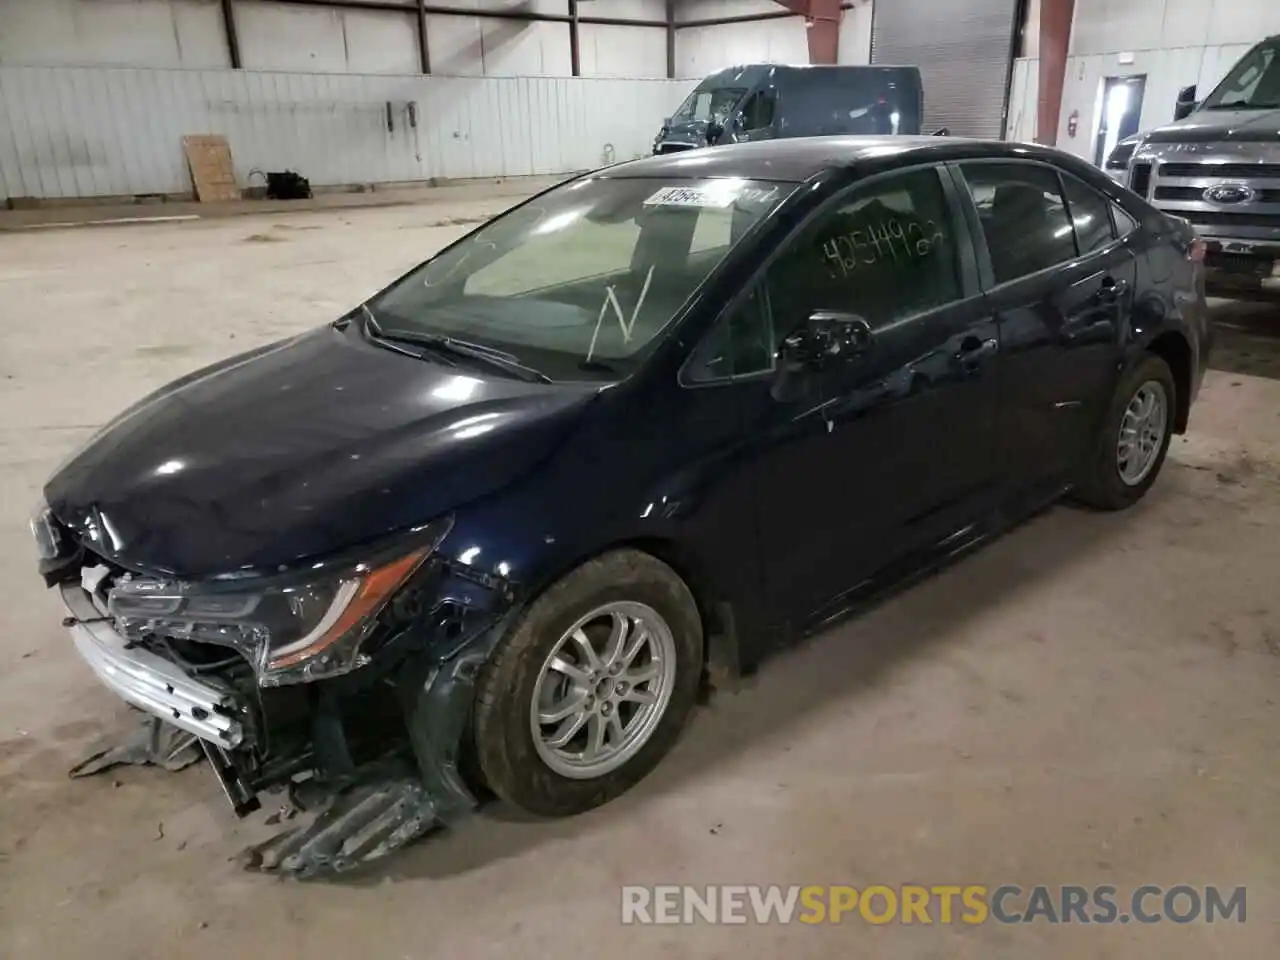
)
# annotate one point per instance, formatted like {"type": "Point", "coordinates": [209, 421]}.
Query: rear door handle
{"type": "Point", "coordinates": [973, 349]}
{"type": "Point", "coordinates": [1112, 289]}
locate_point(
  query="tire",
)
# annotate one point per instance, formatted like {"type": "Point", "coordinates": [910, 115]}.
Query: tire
{"type": "Point", "coordinates": [1102, 485]}
{"type": "Point", "coordinates": [520, 770]}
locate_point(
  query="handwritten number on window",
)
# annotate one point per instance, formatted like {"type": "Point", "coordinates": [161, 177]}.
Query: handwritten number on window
{"type": "Point", "coordinates": [844, 253]}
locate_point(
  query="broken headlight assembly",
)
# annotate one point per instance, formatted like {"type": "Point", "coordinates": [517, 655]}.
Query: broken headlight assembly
{"type": "Point", "coordinates": [294, 628]}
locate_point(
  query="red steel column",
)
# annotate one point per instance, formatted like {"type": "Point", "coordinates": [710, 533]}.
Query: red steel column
{"type": "Point", "coordinates": [1055, 35]}
{"type": "Point", "coordinates": [822, 23]}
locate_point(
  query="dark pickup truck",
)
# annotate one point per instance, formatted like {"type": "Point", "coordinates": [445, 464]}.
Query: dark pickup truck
{"type": "Point", "coordinates": [1218, 166]}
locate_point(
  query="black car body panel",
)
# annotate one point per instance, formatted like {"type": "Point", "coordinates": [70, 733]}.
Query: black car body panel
{"type": "Point", "coordinates": [781, 509]}
{"type": "Point", "coordinates": [318, 444]}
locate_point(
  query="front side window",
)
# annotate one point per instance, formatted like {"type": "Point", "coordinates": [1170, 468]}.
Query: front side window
{"type": "Point", "coordinates": [715, 103]}
{"type": "Point", "coordinates": [757, 112]}
{"type": "Point", "coordinates": [886, 252]}
{"type": "Point", "coordinates": [1024, 217]}
{"type": "Point", "coordinates": [741, 344]}
{"type": "Point", "coordinates": [1253, 84]}
{"type": "Point", "coordinates": [577, 282]}
{"type": "Point", "coordinates": [1090, 214]}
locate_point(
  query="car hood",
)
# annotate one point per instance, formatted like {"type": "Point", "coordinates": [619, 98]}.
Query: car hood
{"type": "Point", "coordinates": [694, 133]}
{"type": "Point", "coordinates": [299, 450]}
{"type": "Point", "coordinates": [1215, 126]}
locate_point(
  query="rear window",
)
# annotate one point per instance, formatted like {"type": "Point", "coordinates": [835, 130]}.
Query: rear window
{"type": "Point", "coordinates": [1089, 215]}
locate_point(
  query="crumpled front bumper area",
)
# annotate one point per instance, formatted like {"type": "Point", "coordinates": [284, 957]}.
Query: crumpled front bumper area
{"type": "Point", "coordinates": [366, 764]}
{"type": "Point", "coordinates": [147, 681]}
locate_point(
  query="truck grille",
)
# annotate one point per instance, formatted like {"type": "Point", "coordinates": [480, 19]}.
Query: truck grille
{"type": "Point", "coordinates": [1222, 171]}
{"type": "Point", "coordinates": [1217, 218]}
{"type": "Point", "coordinates": [1184, 187]}
{"type": "Point", "coordinates": [1140, 179]}
{"type": "Point", "coordinates": [1196, 194]}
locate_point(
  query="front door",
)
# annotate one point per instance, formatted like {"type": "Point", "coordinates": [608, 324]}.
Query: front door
{"type": "Point", "coordinates": [880, 453]}
{"type": "Point", "coordinates": [755, 121]}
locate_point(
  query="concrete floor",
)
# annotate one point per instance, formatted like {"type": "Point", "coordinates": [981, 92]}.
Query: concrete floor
{"type": "Point", "coordinates": [1093, 699]}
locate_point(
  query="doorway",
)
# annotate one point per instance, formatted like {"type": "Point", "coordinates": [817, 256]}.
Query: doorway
{"type": "Point", "coordinates": [1121, 113]}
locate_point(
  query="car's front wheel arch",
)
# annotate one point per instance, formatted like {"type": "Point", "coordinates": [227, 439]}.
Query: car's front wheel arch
{"type": "Point", "coordinates": [538, 669]}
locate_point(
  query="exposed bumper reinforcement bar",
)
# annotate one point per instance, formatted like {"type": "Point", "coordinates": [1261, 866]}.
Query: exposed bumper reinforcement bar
{"type": "Point", "coordinates": [147, 681]}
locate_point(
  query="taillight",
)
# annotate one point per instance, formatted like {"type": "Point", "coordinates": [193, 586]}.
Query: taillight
{"type": "Point", "coordinates": [1195, 251]}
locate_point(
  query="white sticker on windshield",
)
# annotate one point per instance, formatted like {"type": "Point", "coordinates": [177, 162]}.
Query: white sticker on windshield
{"type": "Point", "coordinates": [708, 196]}
{"type": "Point", "coordinates": [757, 194]}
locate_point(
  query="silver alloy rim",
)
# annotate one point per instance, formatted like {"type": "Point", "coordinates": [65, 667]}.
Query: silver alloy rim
{"type": "Point", "coordinates": [603, 689]}
{"type": "Point", "coordinates": [1142, 432]}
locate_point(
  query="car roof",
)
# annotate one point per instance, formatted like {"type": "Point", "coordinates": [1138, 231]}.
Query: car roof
{"type": "Point", "coordinates": [797, 159]}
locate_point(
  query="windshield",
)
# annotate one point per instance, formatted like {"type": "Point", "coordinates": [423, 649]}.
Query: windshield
{"type": "Point", "coordinates": [575, 283]}
{"type": "Point", "coordinates": [1253, 84]}
{"type": "Point", "coordinates": [714, 103]}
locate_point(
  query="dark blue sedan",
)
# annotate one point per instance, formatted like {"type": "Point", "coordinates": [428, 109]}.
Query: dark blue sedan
{"type": "Point", "coordinates": [491, 531]}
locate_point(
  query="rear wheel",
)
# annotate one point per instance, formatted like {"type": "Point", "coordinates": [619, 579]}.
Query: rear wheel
{"type": "Point", "coordinates": [1134, 438]}
{"type": "Point", "coordinates": [591, 688]}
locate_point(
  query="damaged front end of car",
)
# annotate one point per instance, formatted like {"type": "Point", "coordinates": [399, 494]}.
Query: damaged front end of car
{"type": "Point", "coordinates": [343, 685]}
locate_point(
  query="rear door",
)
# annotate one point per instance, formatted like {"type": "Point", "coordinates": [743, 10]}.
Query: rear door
{"type": "Point", "coordinates": [1060, 286]}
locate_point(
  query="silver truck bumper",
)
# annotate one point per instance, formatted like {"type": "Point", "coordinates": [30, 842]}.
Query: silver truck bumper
{"type": "Point", "coordinates": [147, 681]}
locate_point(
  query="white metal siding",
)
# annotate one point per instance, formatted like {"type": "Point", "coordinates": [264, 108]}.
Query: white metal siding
{"type": "Point", "coordinates": [100, 131]}
{"type": "Point", "coordinates": [704, 50]}
{"type": "Point", "coordinates": [1173, 43]}
{"type": "Point", "coordinates": [964, 51]}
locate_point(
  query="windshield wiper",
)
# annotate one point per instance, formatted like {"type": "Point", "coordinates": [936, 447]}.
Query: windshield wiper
{"type": "Point", "coordinates": [449, 348]}
{"type": "Point", "coordinates": [373, 330]}
{"type": "Point", "coordinates": [598, 366]}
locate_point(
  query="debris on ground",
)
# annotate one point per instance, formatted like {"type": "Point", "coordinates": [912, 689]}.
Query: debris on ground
{"type": "Point", "coordinates": [152, 743]}
{"type": "Point", "coordinates": [362, 822]}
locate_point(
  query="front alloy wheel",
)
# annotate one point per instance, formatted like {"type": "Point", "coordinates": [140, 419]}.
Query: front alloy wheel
{"type": "Point", "coordinates": [602, 691]}
{"type": "Point", "coordinates": [591, 687]}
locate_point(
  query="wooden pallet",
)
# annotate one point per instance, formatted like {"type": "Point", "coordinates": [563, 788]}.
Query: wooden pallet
{"type": "Point", "coordinates": [209, 158]}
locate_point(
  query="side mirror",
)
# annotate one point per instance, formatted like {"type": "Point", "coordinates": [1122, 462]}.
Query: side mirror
{"type": "Point", "coordinates": [826, 338]}
{"type": "Point", "coordinates": [942, 132]}
{"type": "Point", "coordinates": [1186, 104]}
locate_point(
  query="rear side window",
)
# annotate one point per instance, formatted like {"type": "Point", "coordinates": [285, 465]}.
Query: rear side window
{"type": "Point", "coordinates": [1024, 217]}
{"type": "Point", "coordinates": [1090, 215]}
{"type": "Point", "coordinates": [1125, 224]}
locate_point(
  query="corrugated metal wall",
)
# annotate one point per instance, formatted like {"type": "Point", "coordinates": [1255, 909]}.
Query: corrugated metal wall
{"type": "Point", "coordinates": [100, 131]}
{"type": "Point", "coordinates": [965, 53]}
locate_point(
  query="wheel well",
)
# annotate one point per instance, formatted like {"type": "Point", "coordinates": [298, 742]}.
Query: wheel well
{"type": "Point", "coordinates": [1176, 352]}
{"type": "Point", "coordinates": [691, 571]}
{"type": "Point", "coordinates": [723, 665]}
